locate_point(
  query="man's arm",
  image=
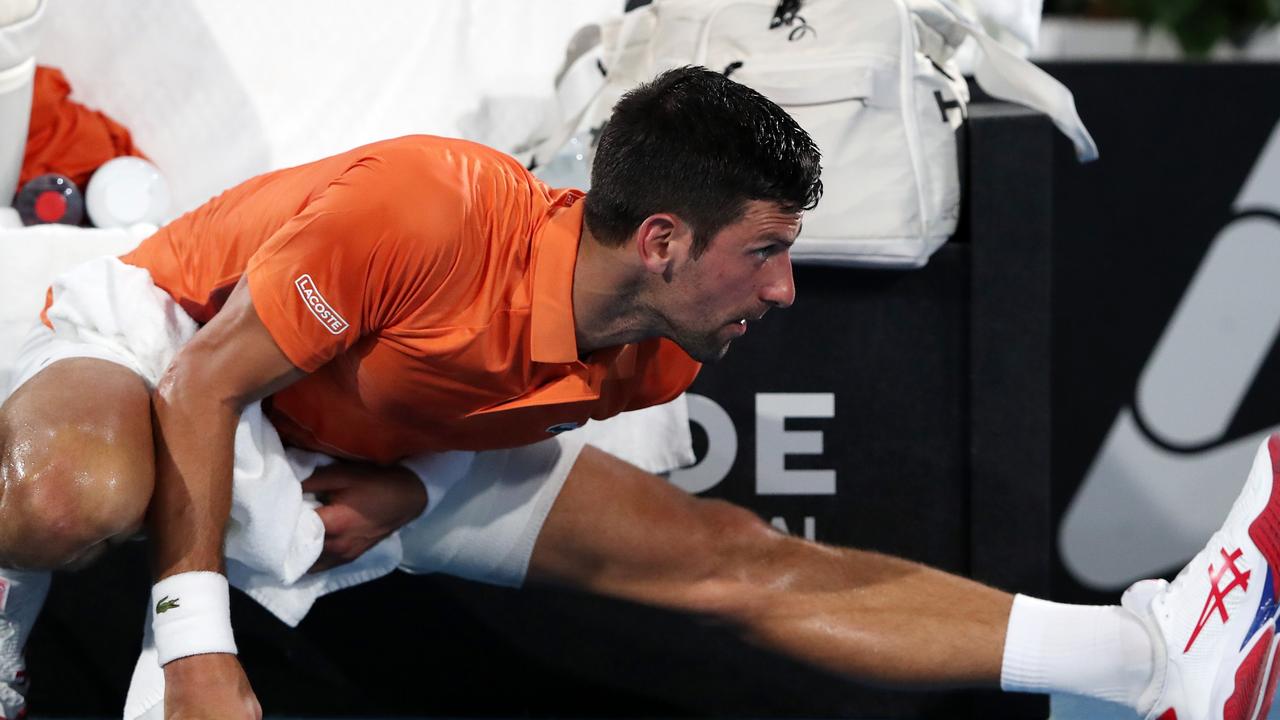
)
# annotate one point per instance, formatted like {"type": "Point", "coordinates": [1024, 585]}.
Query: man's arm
{"type": "Point", "coordinates": [230, 362]}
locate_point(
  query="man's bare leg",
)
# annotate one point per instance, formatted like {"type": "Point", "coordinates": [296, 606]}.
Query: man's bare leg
{"type": "Point", "coordinates": [76, 472]}
{"type": "Point", "coordinates": [77, 464]}
{"type": "Point", "coordinates": [618, 531]}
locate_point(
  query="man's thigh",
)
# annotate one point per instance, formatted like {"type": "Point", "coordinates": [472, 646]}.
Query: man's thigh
{"type": "Point", "coordinates": [563, 513]}
{"type": "Point", "coordinates": [619, 531]}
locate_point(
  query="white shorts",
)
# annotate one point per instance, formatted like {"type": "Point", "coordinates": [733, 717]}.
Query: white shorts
{"type": "Point", "coordinates": [41, 347]}
{"type": "Point", "coordinates": [481, 526]}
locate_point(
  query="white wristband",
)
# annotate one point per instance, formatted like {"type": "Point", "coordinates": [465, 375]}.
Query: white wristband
{"type": "Point", "coordinates": [191, 615]}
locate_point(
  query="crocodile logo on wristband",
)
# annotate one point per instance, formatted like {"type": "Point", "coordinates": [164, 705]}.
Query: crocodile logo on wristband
{"type": "Point", "coordinates": [166, 604]}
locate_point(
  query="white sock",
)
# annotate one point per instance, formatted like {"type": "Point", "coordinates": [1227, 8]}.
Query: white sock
{"type": "Point", "coordinates": [1101, 651]}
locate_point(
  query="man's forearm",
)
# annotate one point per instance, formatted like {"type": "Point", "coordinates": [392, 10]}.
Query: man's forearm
{"type": "Point", "coordinates": [231, 362]}
{"type": "Point", "coordinates": [195, 442]}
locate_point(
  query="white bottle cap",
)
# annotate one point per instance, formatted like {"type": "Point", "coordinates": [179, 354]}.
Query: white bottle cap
{"type": "Point", "coordinates": [126, 191]}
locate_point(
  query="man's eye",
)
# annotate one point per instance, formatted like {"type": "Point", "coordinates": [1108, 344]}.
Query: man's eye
{"type": "Point", "coordinates": [767, 251]}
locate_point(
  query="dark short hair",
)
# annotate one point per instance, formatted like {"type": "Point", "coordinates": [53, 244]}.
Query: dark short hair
{"type": "Point", "coordinates": [694, 143]}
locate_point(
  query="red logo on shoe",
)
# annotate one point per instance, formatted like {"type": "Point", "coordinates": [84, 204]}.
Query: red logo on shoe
{"type": "Point", "coordinates": [1218, 594]}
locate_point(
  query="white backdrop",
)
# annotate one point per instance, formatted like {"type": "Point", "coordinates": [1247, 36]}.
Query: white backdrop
{"type": "Point", "coordinates": [216, 91]}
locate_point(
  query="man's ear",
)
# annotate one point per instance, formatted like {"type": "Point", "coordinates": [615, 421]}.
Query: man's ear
{"type": "Point", "coordinates": [663, 241]}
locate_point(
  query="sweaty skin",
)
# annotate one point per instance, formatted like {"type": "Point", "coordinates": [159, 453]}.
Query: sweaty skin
{"type": "Point", "coordinates": [613, 530]}
{"type": "Point", "coordinates": [656, 287]}
{"type": "Point", "coordinates": [621, 532]}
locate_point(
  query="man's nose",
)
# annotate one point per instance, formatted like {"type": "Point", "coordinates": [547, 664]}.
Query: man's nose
{"type": "Point", "coordinates": [781, 289]}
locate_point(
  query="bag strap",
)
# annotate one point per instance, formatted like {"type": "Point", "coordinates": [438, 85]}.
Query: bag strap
{"type": "Point", "coordinates": [583, 78]}
{"type": "Point", "coordinates": [1006, 76]}
{"type": "Point", "coordinates": [577, 89]}
{"type": "Point", "coordinates": [704, 35]}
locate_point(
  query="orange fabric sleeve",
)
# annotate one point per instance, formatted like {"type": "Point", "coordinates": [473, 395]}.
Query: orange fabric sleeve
{"type": "Point", "coordinates": [362, 254]}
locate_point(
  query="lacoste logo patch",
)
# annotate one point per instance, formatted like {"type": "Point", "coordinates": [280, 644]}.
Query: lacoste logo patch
{"type": "Point", "coordinates": [166, 604]}
{"type": "Point", "coordinates": [318, 306]}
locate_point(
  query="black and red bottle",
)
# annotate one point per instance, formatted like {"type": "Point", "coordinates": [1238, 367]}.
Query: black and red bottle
{"type": "Point", "coordinates": [50, 198]}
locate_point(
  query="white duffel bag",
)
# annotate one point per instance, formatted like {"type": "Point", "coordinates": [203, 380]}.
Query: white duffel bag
{"type": "Point", "coordinates": [872, 81]}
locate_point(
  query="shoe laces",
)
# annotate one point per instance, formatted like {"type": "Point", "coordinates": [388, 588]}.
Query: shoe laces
{"type": "Point", "coordinates": [1180, 581]}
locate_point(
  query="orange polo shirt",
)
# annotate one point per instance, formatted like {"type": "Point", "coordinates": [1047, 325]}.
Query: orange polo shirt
{"type": "Point", "coordinates": [425, 284]}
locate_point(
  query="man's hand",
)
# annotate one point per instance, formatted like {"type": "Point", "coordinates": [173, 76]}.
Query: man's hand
{"type": "Point", "coordinates": [208, 686]}
{"type": "Point", "coordinates": [362, 504]}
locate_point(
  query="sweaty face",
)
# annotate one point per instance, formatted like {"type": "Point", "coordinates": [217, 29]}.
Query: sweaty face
{"type": "Point", "coordinates": [745, 271]}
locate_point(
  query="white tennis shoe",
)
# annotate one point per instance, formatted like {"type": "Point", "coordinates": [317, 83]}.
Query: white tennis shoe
{"type": "Point", "coordinates": [1214, 626]}
{"type": "Point", "coordinates": [22, 594]}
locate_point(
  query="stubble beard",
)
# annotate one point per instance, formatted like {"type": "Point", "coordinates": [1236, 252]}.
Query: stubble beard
{"type": "Point", "coordinates": [701, 346]}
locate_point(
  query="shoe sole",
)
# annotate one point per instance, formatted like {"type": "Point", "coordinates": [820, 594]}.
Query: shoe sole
{"type": "Point", "coordinates": [1255, 678]}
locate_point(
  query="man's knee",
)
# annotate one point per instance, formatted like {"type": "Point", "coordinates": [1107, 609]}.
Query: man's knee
{"type": "Point", "coordinates": [57, 508]}
{"type": "Point", "coordinates": [745, 557]}
{"type": "Point", "coordinates": [736, 534]}
{"type": "Point", "coordinates": [73, 478]}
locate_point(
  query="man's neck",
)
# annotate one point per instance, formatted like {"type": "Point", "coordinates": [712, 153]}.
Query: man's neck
{"type": "Point", "coordinates": [606, 290]}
